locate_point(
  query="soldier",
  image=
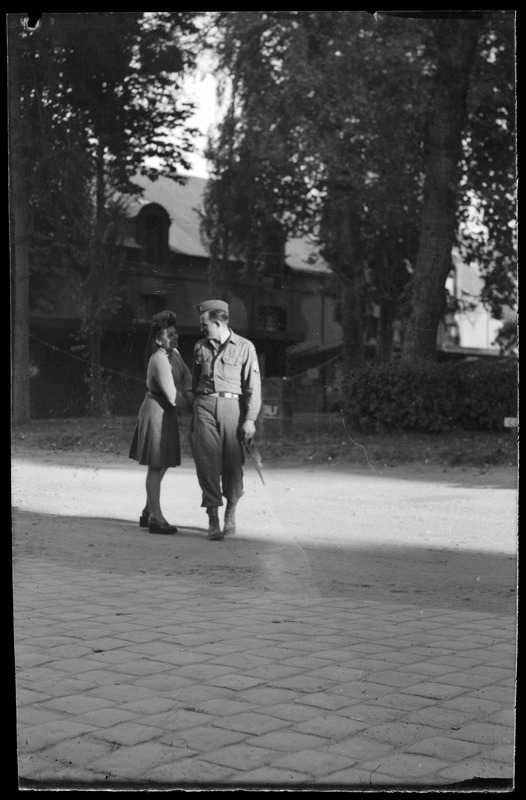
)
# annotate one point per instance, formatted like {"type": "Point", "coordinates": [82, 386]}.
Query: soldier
{"type": "Point", "coordinates": [227, 386]}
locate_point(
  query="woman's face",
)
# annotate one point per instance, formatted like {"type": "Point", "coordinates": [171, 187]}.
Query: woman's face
{"type": "Point", "coordinates": [167, 338]}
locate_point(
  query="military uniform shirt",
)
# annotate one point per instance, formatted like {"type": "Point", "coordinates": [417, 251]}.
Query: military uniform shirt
{"type": "Point", "coordinates": [230, 367]}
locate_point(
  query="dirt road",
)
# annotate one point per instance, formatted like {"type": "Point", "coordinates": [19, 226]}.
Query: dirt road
{"type": "Point", "coordinates": [419, 534]}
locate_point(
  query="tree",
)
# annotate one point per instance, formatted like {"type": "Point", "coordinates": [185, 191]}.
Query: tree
{"type": "Point", "coordinates": [102, 88]}
{"type": "Point", "coordinates": [456, 44]}
{"type": "Point", "coordinates": [378, 138]}
{"type": "Point", "coordinates": [19, 249]}
{"type": "Point", "coordinates": [302, 146]}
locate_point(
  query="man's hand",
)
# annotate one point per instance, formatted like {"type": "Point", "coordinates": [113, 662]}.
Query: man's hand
{"type": "Point", "coordinates": [248, 431]}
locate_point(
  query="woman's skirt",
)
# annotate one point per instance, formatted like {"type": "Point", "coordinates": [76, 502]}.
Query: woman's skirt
{"type": "Point", "coordinates": [156, 441]}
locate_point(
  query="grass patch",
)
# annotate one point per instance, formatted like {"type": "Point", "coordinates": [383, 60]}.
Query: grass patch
{"type": "Point", "coordinates": [311, 438]}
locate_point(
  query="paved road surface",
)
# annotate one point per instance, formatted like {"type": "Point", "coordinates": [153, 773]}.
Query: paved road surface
{"type": "Point", "coordinates": [358, 632]}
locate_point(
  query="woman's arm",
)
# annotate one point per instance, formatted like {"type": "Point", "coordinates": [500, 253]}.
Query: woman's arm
{"type": "Point", "coordinates": [160, 370]}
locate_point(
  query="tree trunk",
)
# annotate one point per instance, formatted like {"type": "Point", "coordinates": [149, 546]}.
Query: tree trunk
{"type": "Point", "coordinates": [19, 234]}
{"type": "Point", "coordinates": [98, 406]}
{"type": "Point", "coordinates": [457, 43]}
{"type": "Point", "coordinates": [386, 331]}
{"type": "Point", "coordinates": [342, 252]}
{"type": "Point", "coordinates": [353, 351]}
{"type": "Point", "coordinates": [97, 401]}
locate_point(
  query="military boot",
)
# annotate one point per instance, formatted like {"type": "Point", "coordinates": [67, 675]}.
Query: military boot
{"type": "Point", "coordinates": [230, 519]}
{"type": "Point", "coordinates": [214, 531]}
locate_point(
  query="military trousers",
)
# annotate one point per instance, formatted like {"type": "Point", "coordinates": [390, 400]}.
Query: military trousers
{"type": "Point", "coordinates": [217, 448]}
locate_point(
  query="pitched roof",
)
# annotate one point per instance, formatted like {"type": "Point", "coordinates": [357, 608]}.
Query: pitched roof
{"type": "Point", "coordinates": [183, 203]}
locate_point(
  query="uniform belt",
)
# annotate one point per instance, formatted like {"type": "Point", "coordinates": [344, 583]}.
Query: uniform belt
{"type": "Point", "coordinates": [224, 394]}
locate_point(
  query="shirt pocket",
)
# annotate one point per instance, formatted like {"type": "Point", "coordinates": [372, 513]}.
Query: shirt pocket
{"type": "Point", "coordinates": [205, 364]}
{"type": "Point", "coordinates": [231, 368]}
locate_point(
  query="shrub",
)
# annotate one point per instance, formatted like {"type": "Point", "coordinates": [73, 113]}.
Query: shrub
{"type": "Point", "coordinates": [430, 396]}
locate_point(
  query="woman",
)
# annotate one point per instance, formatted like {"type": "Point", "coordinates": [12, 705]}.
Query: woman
{"type": "Point", "coordinates": [156, 439]}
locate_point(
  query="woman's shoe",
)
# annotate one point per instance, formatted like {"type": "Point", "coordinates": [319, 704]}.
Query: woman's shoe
{"type": "Point", "coordinates": [161, 527]}
{"type": "Point", "coordinates": [143, 520]}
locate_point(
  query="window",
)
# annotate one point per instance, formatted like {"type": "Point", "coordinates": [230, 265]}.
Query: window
{"type": "Point", "coordinates": [272, 318]}
{"type": "Point", "coordinates": [152, 234]}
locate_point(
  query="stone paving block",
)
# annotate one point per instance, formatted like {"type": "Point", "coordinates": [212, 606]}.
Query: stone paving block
{"type": "Point", "coordinates": [396, 678]}
{"type": "Point", "coordinates": [268, 777]}
{"type": "Point", "coordinates": [266, 695]}
{"type": "Point", "coordinates": [499, 694]}
{"type": "Point", "coordinates": [313, 762]}
{"type": "Point", "coordinates": [181, 658]}
{"type": "Point", "coordinates": [224, 706]}
{"type": "Point", "coordinates": [468, 680]}
{"type": "Point", "coordinates": [105, 676]}
{"type": "Point", "coordinates": [504, 753]}
{"type": "Point", "coordinates": [253, 722]}
{"type": "Point", "coordinates": [273, 672]}
{"type": "Point", "coordinates": [163, 682]}
{"type": "Point", "coordinates": [120, 693]}
{"type": "Point", "coordinates": [303, 683]}
{"type": "Point", "coordinates": [331, 726]}
{"type": "Point", "coordinates": [287, 741]}
{"type": "Point", "coordinates": [236, 681]}
{"type": "Point", "coordinates": [438, 716]}
{"type": "Point", "coordinates": [25, 696]}
{"type": "Point", "coordinates": [190, 772]}
{"type": "Point", "coordinates": [293, 712]}
{"type": "Point", "coordinates": [472, 705]}
{"type": "Point", "coordinates": [111, 657]}
{"type": "Point", "coordinates": [445, 748]}
{"type": "Point", "coordinates": [203, 738]}
{"type": "Point", "coordinates": [35, 715]}
{"type": "Point", "coordinates": [408, 767]}
{"type": "Point", "coordinates": [39, 675]}
{"type": "Point", "coordinates": [127, 734]}
{"type": "Point", "coordinates": [338, 672]}
{"type": "Point", "coordinates": [484, 732]}
{"type": "Point", "coordinates": [148, 704]}
{"type": "Point", "coordinates": [240, 756]}
{"type": "Point", "coordinates": [203, 671]}
{"type": "Point", "coordinates": [477, 767]}
{"type": "Point", "coordinates": [326, 700]}
{"type": "Point", "coordinates": [361, 749]}
{"type": "Point", "coordinates": [364, 690]}
{"type": "Point", "coordinates": [79, 751]}
{"type": "Point", "coordinates": [434, 690]}
{"type": "Point", "coordinates": [505, 717]}
{"type": "Point", "coordinates": [429, 668]}
{"type": "Point", "coordinates": [106, 717]}
{"type": "Point", "coordinates": [177, 719]}
{"type": "Point", "coordinates": [76, 704]}
{"type": "Point", "coordinates": [135, 762]}
{"type": "Point", "coordinates": [141, 666]}
{"type": "Point", "coordinates": [369, 712]}
{"type": "Point", "coordinates": [40, 736]}
{"type": "Point", "coordinates": [400, 733]}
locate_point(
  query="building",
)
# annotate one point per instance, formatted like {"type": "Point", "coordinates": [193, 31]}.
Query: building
{"type": "Point", "coordinates": [287, 315]}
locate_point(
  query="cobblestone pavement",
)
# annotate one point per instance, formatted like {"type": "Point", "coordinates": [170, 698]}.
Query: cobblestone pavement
{"type": "Point", "coordinates": [152, 682]}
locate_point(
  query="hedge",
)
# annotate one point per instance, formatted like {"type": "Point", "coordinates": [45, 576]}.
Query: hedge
{"type": "Point", "coordinates": [432, 397]}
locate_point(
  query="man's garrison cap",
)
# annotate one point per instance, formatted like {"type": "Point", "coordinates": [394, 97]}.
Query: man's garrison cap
{"type": "Point", "coordinates": [212, 305]}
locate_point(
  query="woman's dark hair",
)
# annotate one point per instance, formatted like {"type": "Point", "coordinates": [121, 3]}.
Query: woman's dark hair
{"type": "Point", "coordinates": [159, 322]}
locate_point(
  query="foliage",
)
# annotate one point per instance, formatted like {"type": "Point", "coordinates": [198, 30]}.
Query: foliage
{"type": "Point", "coordinates": [100, 101]}
{"type": "Point", "coordinates": [304, 146]}
{"type": "Point", "coordinates": [432, 397]}
{"type": "Point", "coordinates": [487, 223]}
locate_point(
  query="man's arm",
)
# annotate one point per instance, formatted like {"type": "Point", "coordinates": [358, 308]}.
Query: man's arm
{"type": "Point", "coordinates": [251, 382]}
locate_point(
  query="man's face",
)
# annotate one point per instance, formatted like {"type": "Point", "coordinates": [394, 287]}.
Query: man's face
{"type": "Point", "coordinates": [209, 327]}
